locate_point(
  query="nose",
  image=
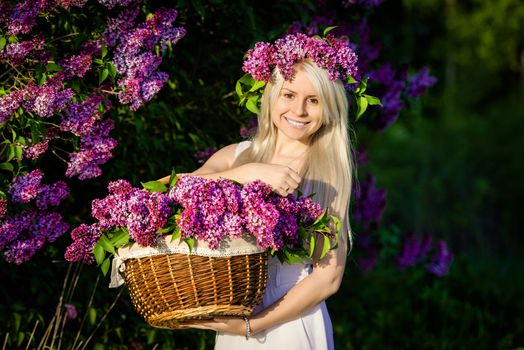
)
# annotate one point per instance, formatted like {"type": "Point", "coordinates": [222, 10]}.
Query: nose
{"type": "Point", "coordinates": [300, 107]}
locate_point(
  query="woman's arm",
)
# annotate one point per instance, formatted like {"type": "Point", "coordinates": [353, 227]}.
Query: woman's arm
{"type": "Point", "coordinates": [282, 179]}
{"type": "Point", "coordinates": [323, 282]}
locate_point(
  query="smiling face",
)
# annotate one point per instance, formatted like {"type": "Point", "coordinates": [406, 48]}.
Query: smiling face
{"type": "Point", "coordinates": [297, 111]}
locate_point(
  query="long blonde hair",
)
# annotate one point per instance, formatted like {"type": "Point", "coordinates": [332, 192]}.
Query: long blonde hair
{"type": "Point", "coordinates": [329, 165]}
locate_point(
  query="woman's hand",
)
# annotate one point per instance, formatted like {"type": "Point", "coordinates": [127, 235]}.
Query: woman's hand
{"type": "Point", "coordinates": [231, 325]}
{"type": "Point", "coordinates": [282, 179]}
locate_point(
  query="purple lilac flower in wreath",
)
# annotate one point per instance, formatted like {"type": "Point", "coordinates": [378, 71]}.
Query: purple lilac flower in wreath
{"type": "Point", "coordinates": [336, 56]}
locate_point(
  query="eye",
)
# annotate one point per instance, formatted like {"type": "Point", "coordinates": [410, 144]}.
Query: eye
{"type": "Point", "coordinates": [288, 95]}
{"type": "Point", "coordinates": [314, 101]}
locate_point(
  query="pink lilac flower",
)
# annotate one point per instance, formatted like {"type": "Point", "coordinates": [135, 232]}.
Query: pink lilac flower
{"type": "Point", "coordinates": [441, 261]}
{"type": "Point", "coordinates": [51, 195]}
{"type": "Point", "coordinates": [84, 239]}
{"type": "Point", "coordinates": [76, 65]}
{"type": "Point", "coordinates": [71, 312]}
{"type": "Point", "coordinates": [112, 3]}
{"type": "Point", "coordinates": [80, 117]}
{"type": "Point", "coordinates": [16, 53]}
{"type": "Point", "coordinates": [26, 187]}
{"type": "Point", "coordinates": [35, 150]}
{"type": "Point", "coordinates": [203, 155]}
{"type": "Point", "coordinates": [336, 56]}
{"type": "Point", "coordinates": [9, 104]}
{"type": "Point", "coordinates": [419, 83]}
{"type": "Point", "coordinates": [3, 208]}
{"type": "Point", "coordinates": [67, 4]}
{"type": "Point", "coordinates": [48, 99]}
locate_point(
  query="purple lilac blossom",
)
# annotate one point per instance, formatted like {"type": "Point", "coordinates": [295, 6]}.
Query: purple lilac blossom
{"type": "Point", "coordinates": [370, 202]}
{"type": "Point", "coordinates": [361, 156]}
{"type": "Point", "coordinates": [26, 187]}
{"type": "Point", "coordinates": [390, 96]}
{"type": "Point", "coordinates": [203, 155]}
{"type": "Point", "coordinates": [249, 130]}
{"type": "Point", "coordinates": [336, 56]}
{"type": "Point", "coordinates": [117, 27]}
{"type": "Point", "coordinates": [35, 150]}
{"type": "Point", "coordinates": [84, 239]}
{"type": "Point", "coordinates": [95, 150]}
{"type": "Point", "coordinates": [66, 4]}
{"type": "Point", "coordinates": [26, 233]}
{"type": "Point", "coordinates": [76, 65]}
{"type": "Point", "coordinates": [414, 250]}
{"type": "Point", "coordinates": [441, 261]}
{"type": "Point", "coordinates": [80, 117]}
{"type": "Point", "coordinates": [22, 17]}
{"type": "Point", "coordinates": [112, 3]}
{"type": "Point", "coordinates": [368, 261]}
{"type": "Point", "coordinates": [140, 80]}
{"type": "Point", "coordinates": [366, 3]}
{"type": "Point", "coordinates": [419, 83]}
{"type": "Point", "coordinates": [16, 53]}
{"type": "Point", "coordinates": [71, 312]}
{"type": "Point", "coordinates": [51, 195]}
{"type": "Point", "coordinates": [10, 103]}
{"type": "Point", "coordinates": [46, 100]}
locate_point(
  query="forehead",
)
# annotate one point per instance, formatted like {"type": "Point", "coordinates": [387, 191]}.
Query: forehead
{"type": "Point", "coordinates": [300, 84]}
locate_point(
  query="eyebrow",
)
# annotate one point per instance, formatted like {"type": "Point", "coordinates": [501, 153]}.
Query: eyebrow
{"type": "Point", "coordinates": [294, 92]}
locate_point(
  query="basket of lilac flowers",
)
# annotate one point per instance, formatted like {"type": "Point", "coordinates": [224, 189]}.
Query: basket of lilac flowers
{"type": "Point", "coordinates": [198, 248]}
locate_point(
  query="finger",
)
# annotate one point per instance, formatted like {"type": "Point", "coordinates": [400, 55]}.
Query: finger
{"type": "Point", "coordinates": [294, 176]}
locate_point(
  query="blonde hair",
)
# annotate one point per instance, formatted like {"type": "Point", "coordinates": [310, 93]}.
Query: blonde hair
{"type": "Point", "coordinates": [329, 166]}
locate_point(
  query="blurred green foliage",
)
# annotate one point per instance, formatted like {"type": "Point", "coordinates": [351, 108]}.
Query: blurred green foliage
{"type": "Point", "coordinates": [451, 165]}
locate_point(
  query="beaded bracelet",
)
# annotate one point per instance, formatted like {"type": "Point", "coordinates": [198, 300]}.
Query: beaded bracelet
{"type": "Point", "coordinates": [248, 327]}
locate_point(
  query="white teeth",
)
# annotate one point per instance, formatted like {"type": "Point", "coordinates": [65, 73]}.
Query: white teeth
{"type": "Point", "coordinates": [295, 123]}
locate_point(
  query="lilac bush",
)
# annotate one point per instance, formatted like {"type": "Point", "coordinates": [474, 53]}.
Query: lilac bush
{"type": "Point", "coordinates": [58, 100]}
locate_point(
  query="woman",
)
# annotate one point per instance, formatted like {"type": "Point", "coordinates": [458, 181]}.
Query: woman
{"type": "Point", "coordinates": [301, 143]}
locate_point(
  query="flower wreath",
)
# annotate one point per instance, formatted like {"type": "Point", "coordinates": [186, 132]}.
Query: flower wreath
{"type": "Point", "coordinates": [333, 54]}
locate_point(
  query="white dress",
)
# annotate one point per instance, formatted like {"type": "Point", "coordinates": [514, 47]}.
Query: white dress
{"type": "Point", "coordinates": [310, 331]}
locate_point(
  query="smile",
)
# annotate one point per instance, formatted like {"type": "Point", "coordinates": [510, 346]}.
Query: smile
{"type": "Point", "coordinates": [295, 123]}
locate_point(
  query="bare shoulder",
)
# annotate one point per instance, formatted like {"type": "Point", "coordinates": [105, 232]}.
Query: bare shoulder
{"type": "Point", "coordinates": [222, 160]}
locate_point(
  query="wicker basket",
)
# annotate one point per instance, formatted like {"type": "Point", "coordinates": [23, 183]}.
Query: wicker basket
{"type": "Point", "coordinates": [170, 285]}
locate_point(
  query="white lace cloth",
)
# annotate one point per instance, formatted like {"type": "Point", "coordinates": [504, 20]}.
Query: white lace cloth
{"type": "Point", "coordinates": [244, 245]}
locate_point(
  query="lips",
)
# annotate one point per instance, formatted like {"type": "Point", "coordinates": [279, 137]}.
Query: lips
{"type": "Point", "coordinates": [296, 123]}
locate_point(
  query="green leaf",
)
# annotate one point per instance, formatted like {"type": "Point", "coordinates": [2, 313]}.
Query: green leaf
{"type": "Point", "coordinates": [103, 75]}
{"type": "Point", "coordinates": [258, 84]}
{"type": "Point", "coordinates": [247, 79]}
{"type": "Point", "coordinates": [112, 69]}
{"type": "Point", "coordinates": [12, 39]}
{"type": "Point", "coordinates": [18, 152]}
{"type": "Point", "coordinates": [190, 243]}
{"type": "Point", "coordinates": [325, 247]}
{"type": "Point", "coordinates": [173, 179]}
{"type": "Point", "coordinates": [311, 246]}
{"type": "Point", "coordinates": [105, 266]}
{"type": "Point", "coordinates": [99, 253]}
{"type": "Point", "coordinates": [42, 79]}
{"type": "Point", "coordinates": [91, 315]}
{"type": "Point", "coordinates": [2, 43]}
{"type": "Point", "coordinates": [53, 67]}
{"type": "Point", "coordinates": [106, 244]}
{"type": "Point", "coordinates": [372, 100]}
{"type": "Point", "coordinates": [362, 106]}
{"type": "Point", "coordinates": [328, 29]}
{"type": "Point", "coordinates": [238, 89]}
{"type": "Point", "coordinates": [154, 186]}
{"type": "Point", "coordinates": [120, 238]}
{"type": "Point", "coordinates": [351, 80]}
{"type": "Point", "coordinates": [7, 166]}
{"type": "Point", "coordinates": [104, 51]}
{"type": "Point", "coordinates": [251, 105]}
{"type": "Point", "coordinates": [11, 153]}
{"type": "Point", "coordinates": [176, 234]}
{"type": "Point", "coordinates": [35, 132]}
